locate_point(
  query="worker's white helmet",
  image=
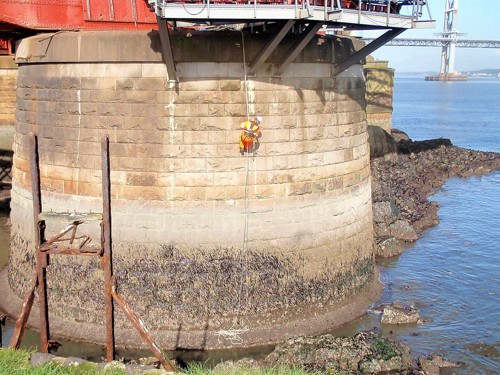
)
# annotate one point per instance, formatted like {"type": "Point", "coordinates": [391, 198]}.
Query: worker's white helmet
{"type": "Point", "coordinates": [259, 118]}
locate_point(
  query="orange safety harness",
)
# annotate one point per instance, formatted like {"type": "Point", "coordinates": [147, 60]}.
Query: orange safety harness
{"type": "Point", "coordinates": [249, 139]}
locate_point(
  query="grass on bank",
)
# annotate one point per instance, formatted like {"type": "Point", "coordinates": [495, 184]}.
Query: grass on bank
{"type": "Point", "coordinates": [17, 362]}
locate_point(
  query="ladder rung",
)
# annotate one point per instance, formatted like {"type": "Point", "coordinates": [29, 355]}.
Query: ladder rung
{"type": "Point", "coordinates": [72, 249]}
{"type": "Point", "coordinates": [70, 216]}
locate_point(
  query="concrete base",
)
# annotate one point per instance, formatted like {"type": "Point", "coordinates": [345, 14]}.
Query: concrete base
{"type": "Point", "coordinates": [313, 323]}
{"type": "Point", "coordinates": [447, 77]}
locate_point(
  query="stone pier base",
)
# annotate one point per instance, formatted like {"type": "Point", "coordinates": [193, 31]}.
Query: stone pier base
{"type": "Point", "coordinates": [205, 240]}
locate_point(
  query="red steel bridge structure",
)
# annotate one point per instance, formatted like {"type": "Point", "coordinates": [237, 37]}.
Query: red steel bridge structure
{"type": "Point", "coordinates": [303, 18]}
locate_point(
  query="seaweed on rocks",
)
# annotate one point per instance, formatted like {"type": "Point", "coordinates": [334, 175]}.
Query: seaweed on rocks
{"type": "Point", "coordinates": [402, 182]}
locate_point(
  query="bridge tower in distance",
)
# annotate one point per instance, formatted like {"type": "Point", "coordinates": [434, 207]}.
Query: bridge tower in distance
{"type": "Point", "coordinates": [447, 72]}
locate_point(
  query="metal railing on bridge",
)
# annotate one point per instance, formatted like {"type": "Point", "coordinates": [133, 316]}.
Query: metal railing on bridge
{"type": "Point", "coordinates": [309, 15]}
{"type": "Point", "coordinates": [347, 13]}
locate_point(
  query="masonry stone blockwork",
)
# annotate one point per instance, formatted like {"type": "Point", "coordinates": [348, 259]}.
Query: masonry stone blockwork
{"type": "Point", "coordinates": [204, 239]}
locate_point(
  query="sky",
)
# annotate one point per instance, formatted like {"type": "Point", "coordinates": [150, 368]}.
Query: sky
{"type": "Point", "coordinates": [476, 19]}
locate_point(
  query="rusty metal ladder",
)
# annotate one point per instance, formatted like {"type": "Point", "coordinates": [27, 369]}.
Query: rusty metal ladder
{"type": "Point", "coordinates": [76, 245]}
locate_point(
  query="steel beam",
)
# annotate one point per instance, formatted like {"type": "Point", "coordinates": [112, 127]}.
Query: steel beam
{"type": "Point", "coordinates": [139, 325]}
{"type": "Point", "coordinates": [106, 259]}
{"type": "Point", "coordinates": [366, 50]}
{"type": "Point", "coordinates": [166, 48]}
{"type": "Point", "coordinates": [307, 35]}
{"type": "Point", "coordinates": [18, 332]}
{"type": "Point", "coordinates": [270, 46]}
{"type": "Point", "coordinates": [42, 258]}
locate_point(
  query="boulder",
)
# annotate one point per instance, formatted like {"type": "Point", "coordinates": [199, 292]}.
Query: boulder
{"type": "Point", "coordinates": [381, 142]}
{"type": "Point", "coordinates": [402, 230]}
{"type": "Point", "coordinates": [367, 352]}
{"type": "Point", "coordinates": [38, 359]}
{"type": "Point", "coordinates": [385, 212]}
{"type": "Point", "coordinates": [399, 135]}
{"type": "Point", "coordinates": [388, 247]}
{"type": "Point", "coordinates": [434, 364]}
{"type": "Point", "coordinates": [399, 314]}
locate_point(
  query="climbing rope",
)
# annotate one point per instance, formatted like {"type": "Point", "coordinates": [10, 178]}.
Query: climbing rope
{"type": "Point", "coordinates": [233, 334]}
{"type": "Point", "coordinates": [244, 255]}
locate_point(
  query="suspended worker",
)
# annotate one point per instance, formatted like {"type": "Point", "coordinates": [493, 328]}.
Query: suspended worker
{"type": "Point", "coordinates": [249, 140]}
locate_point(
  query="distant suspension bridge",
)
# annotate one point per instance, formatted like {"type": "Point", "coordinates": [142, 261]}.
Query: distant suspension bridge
{"type": "Point", "coordinates": [448, 41]}
{"type": "Point", "coordinates": [443, 42]}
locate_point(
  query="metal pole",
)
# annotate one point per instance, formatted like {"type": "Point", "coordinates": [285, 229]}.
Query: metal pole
{"type": "Point", "coordinates": [143, 331]}
{"type": "Point", "coordinates": [17, 334]}
{"type": "Point", "coordinates": [106, 260]}
{"type": "Point", "coordinates": [42, 258]}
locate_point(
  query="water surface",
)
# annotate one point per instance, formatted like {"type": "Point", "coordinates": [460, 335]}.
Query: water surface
{"type": "Point", "coordinates": [452, 274]}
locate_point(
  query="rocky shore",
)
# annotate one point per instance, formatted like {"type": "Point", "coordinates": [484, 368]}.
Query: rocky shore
{"type": "Point", "coordinates": [404, 174]}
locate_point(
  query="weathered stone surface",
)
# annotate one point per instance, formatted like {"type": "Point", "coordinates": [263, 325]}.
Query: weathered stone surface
{"type": "Point", "coordinates": [388, 247]}
{"type": "Point", "coordinates": [114, 365]}
{"type": "Point", "coordinates": [399, 314]}
{"type": "Point", "coordinates": [434, 364]}
{"type": "Point", "coordinates": [366, 352]}
{"type": "Point", "coordinates": [181, 189]}
{"type": "Point", "coordinates": [485, 349]}
{"type": "Point", "coordinates": [38, 359]}
{"type": "Point", "coordinates": [402, 230]}
{"type": "Point", "coordinates": [141, 369]}
{"type": "Point", "coordinates": [399, 135]}
{"type": "Point", "coordinates": [417, 170]}
{"type": "Point", "coordinates": [384, 212]}
{"type": "Point", "coordinates": [381, 143]}
{"type": "Point", "coordinates": [74, 361]}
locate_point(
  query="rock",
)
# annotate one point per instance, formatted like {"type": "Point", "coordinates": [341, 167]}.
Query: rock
{"type": "Point", "coordinates": [384, 212]}
{"type": "Point", "coordinates": [410, 175]}
{"type": "Point", "coordinates": [398, 314]}
{"type": "Point", "coordinates": [402, 230]}
{"type": "Point", "coordinates": [74, 361]}
{"type": "Point", "coordinates": [399, 135]}
{"type": "Point", "coordinates": [434, 364]}
{"type": "Point", "coordinates": [381, 143]}
{"type": "Point", "coordinates": [327, 353]}
{"type": "Point", "coordinates": [148, 361]}
{"type": "Point", "coordinates": [228, 366]}
{"type": "Point", "coordinates": [138, 369]}
{"type": "Point", "coordinates": [58, 360]}
{"type": "Point", "coordinates": [484, 349]}
{"type": "Point", "coordinates": [115, 365]}
{"type": "Point", "coordinates": [38, 359]}
{"type": "Point", "coordinates": [158, 372]}
{"type": "Point", "coordinates": [388, 247]}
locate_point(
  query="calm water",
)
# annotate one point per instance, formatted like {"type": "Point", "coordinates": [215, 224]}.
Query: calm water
{"type": "Point", "coordinates": [452, 274]}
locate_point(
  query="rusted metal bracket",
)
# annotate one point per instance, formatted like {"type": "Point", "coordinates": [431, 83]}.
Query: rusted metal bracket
{"type": "Point", "coordinates": [292, 54]}
{"type": "Point", "coordinates": [141, 328]}
{"type": "Point", "coordinates": [2, 323]}
{"type": "Point", "coordinates": [17, 334]}
{"type": "Point", "coordinates": [270, 46]}
{"type": "Point", "coordinates": [42, 258]}
{"type": "Point", "coordinates": [166, 48]}
{"type": "Point", "coordinates": [106, 258]}
{"type": "Point", "coordinates": [53, 245]}
{"type": "Point", "coordinates": [83, 247]}
{"type": "Point", "coordinates": [366, 50]}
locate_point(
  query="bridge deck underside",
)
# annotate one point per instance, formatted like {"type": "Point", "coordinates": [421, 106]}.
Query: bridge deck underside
{"type": "Point", "coordinates": [244, 13]}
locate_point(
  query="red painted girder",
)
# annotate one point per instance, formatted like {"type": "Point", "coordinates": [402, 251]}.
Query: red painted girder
{"type": "Point", "coordinates": [76, 15]}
